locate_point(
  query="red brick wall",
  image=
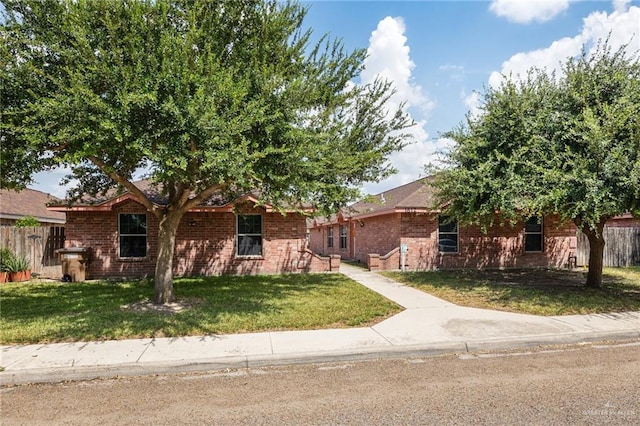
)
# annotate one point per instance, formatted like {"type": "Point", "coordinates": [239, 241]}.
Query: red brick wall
{"type": "Point", "coordinates": [625, 221]}
{"type": "Point", "coordinates": [500, 247]}
{"type": "Point", "coordinates": [380, 234]}
{"type": "Point", "coordinates": [206, 248]}
{"type": "Point", "coordinates": [318, 240]}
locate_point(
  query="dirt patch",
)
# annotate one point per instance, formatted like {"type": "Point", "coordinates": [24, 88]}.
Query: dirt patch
{"type": "Point", "coordinates": [534, 277]}
{"type": "Point", "coordinates": [147, 305]}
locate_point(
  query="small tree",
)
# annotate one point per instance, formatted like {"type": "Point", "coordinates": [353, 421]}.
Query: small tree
{"type": "Point", "coordinates": [566, 144]}
{"type": "Point", "coordinates": [27, 221]}
{"type": "Point", "coordinates": [210, 97]}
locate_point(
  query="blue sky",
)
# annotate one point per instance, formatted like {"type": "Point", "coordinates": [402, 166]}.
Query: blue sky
{"type": "Point", "coordinates": [440, 54]}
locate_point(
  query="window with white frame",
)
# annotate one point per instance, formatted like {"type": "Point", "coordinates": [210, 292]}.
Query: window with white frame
{"type": "Point", "coordinates": [533, 241]}
{"type": "Point", "coordinates": [132, 235]}
{"type": "Point", "coordinates": [447, 234]}
{"type": "Point", "coordinates": [330, 237]}
{"type": "Point", "coordinates": [343, 236]}
{"type": "Point", "coordinates": [249, 235]}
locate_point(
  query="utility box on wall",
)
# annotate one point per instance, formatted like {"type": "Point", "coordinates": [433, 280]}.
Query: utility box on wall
{"type": "Point", "coordinates": [74, 263]}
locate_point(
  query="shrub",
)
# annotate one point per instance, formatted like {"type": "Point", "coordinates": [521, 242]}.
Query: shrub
{"type": "Point", "coordinates": [27, 221]}
{"type": "Point", "coordinates": [17, 264]}
{"type": "Point", "coordinates": [6, 256]}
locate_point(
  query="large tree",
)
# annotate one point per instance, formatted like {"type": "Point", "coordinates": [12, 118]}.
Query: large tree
{"type": "Point", "coordinates": [566, 143]}
{"type": "Point", "coordinates": [208, 96]}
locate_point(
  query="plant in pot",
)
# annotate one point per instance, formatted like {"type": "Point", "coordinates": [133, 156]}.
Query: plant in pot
{"type": "Point", "coordinates": [19, 268]}
{"type": "Point", "coordinates": [5, 255]}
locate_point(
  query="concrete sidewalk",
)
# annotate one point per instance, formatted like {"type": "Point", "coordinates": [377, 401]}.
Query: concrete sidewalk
{"type": "Point", "coordinates": [427, 326]}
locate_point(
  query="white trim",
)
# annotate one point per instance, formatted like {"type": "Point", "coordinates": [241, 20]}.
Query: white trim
{"type": "Point", "coordinates": [40, 219]}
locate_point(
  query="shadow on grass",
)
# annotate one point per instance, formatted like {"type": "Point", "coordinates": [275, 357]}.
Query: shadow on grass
{"type": "Point", "coordinates": [534, 291]}
{"type": "Point", "coordinates": [97, 310]}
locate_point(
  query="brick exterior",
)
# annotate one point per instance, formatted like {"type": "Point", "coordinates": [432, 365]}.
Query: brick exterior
{"type": "Point", "coordinates": [318, 241]}
{"type": "Point", "coordinates": [378, 234]}
{"type": "Point", "coordinates": [500, 247]}
{"type": "Point", "coordinates": [205, 244]}
{"type": "Point", "coordinates": [624, 221]}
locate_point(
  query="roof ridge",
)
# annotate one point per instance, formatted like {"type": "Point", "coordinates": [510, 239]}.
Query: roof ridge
{"type": "Point", "coordinates": [402, 186]}
{"type": "Point", "coordinates": [421, 182]}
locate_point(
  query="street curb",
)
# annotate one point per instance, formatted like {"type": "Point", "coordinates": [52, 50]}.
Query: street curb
{"type": "Point", "coordinates": [79, 373]}
{"type": "Point", "coordinates": [572, 338]}
{"type": "Point", "coordinates": [84, 373]}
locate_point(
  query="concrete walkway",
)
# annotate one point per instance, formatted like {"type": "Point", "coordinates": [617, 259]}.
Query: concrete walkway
{"type": "Point", "coordinates": [427, 326]}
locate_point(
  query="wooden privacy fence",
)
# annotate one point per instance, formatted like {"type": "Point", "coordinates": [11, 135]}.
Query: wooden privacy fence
{"type": "Point", "coordinates": [38, 244]}
{"type": "Point", "coordinates": [622, 247]}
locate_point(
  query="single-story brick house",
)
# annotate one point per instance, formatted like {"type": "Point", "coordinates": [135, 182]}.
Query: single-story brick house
{"type": "Point", "coordinates": [219, 237]}
{"type": "Point", "coordinates": [376, 231]}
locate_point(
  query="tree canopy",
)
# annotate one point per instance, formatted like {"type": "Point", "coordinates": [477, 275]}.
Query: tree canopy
{"type": "Point", "coordinates": [565, 143]}
{"type": "Point", "coordinates": [206, 96]}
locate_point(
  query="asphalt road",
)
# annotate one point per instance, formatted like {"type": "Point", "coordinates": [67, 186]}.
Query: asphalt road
{"type": "Point", "coordinates": [591, 385]}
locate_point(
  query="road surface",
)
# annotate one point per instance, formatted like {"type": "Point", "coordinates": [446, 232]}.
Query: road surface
{"type": "Point", "coordinates": [594, 384]}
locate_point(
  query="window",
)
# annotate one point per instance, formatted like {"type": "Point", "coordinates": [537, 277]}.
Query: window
{"type": "Point", "coordinates": [447, 235]}
{"type": "Point", "coordinates": [132, 235]}
{"type": "Point", "coordinates": [330, 237]}
{"type": "Point", "coordinates": [249, 235]}
{"type": "Point", "coordinates": [343, 236]}
{"type": "Point", "coordinates": [533, 235]}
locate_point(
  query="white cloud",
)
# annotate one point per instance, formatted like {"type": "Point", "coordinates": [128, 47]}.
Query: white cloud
{"type": "Point", "coordinates": [389, 57]}
{"type": "Point", "coordinates": [455, 72]}
{"type": "Point", "coordinates": [526, 11]}
{"type": "Point", "coordinates": [621, 5]}
{"type": "Point", "coordinates": [472, 102]}
{"type": "Point", "coordinates": [550, 58]}
{"type": "Point", "coordinates": [620, 27]}
{"type": "Point", "coordinates": [449, 67]}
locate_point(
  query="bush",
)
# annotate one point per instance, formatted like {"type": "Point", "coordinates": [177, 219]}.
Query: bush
{"type": "Point", "coordinates": [17, 264]}
{"type": "Point", "coordinates": [6, 256]}
{"type": "Point", "coordinates": [27, 221]}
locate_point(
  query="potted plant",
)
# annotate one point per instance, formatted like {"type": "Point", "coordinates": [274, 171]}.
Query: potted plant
{"type": "Point", "coordinates": [5, 255]}
{"type": "Point", "coordinates": [19, 268]}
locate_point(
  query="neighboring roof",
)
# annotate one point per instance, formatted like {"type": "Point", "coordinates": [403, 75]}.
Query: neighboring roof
{"type": "Point", "coordinates": [144, 185]}
{"type": "Point", "coordinates": [112, 198]}
{"type": "Point", "coordinates": [415, 197]}
{"type": "Point", "coordinates": [28, 202]}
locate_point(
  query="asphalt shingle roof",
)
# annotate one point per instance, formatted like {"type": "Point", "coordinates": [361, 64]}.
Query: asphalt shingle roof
{"type": "Point", "coordinates": [417, 194]}
{"type": "Point", "coordinates": [28, 202]}
{"type": "Point", "coordinates": [414, 195]}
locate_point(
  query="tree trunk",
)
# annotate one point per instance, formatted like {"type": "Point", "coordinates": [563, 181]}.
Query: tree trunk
{"type": "Point", "coordinates": [163, 288]}
{"type": "Point", "coordinates": [596, 255]}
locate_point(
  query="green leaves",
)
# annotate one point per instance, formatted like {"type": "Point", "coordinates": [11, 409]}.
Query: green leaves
{"type": "Point", "coordinates": [202, 93]}
{"type": "Point", "coordinates": [566, 144]}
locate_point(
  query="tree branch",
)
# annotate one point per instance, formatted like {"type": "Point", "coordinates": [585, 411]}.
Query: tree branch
{"type": "Point", "coordinates": [204, 195]}
{"type": "Point", "coordinates": [142, 197]}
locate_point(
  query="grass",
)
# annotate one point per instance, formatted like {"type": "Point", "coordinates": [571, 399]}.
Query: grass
{"type": "Point", "coordinates": [42, 312]}
{"type": "Point", "coordinates": [531, 291]}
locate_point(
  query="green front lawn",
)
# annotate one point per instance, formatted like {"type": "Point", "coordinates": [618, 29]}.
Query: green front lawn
{"type": "Point", "coordinates": [38, 312]}
{"type": "Point", "coordinates": [532, 291]}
